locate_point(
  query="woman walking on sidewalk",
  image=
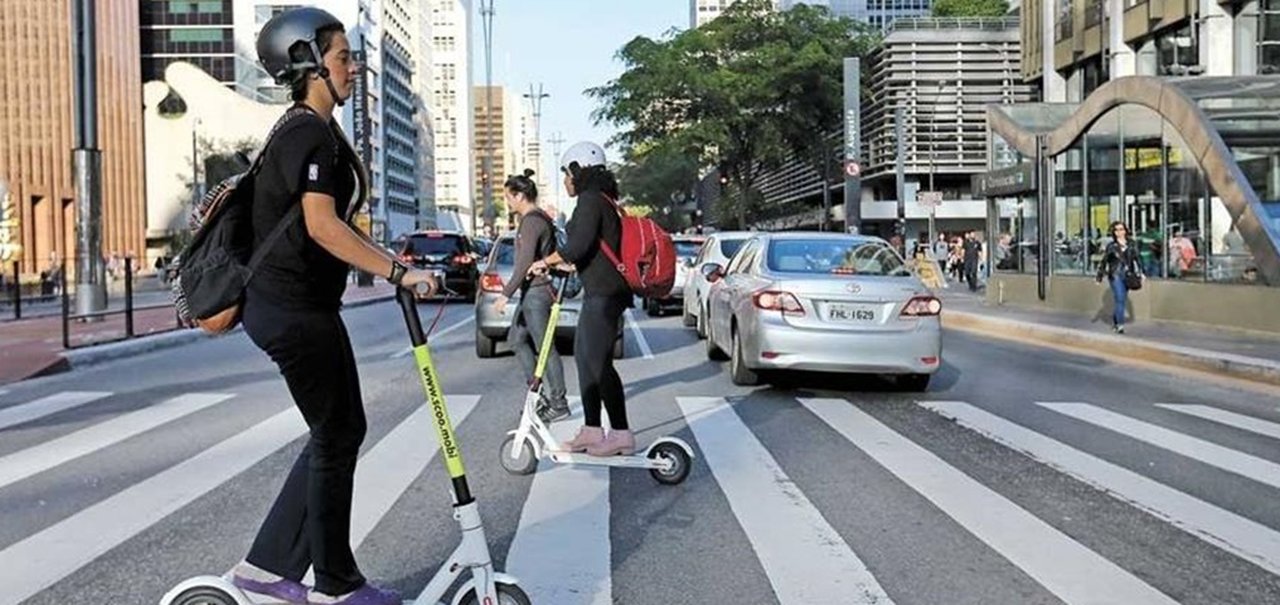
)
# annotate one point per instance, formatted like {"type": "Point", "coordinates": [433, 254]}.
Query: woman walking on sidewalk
{"type": "Point", "coordinates": [1122, 267]}
{"type": "Point", "coordinates": [309, 179]}
{"type": "Point", "coordinates": [605, 296]}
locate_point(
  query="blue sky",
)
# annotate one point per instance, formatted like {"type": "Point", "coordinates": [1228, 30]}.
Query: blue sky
{"type": "Point", "coordinates": [568, 46]}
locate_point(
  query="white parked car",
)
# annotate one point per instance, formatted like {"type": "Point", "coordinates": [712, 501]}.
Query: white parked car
{"type": "Point", "coordinates": [822, 302]}
{"type": "Point", "coordinates": [718, 249]}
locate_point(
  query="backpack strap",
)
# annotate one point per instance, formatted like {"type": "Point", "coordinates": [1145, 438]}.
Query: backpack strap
{"type": "Point", "coordinates": [290, 217]}
{"type": "Point", "coordinates": [608, 250]}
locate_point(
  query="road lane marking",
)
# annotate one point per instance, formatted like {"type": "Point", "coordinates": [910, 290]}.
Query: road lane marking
{"type": "Point", "coordinates": [1251, 467]}
{"type": "Point", "coordinates": [43, 559]}
{"type": "Point", "coordinates": [390, 467]}
{"type": "Point", "coordinates": [46, 406]}
{"type": "Point", "coordinates": [1242, 537]}
{"type": "Point", "coordinates": [639, 334]}
{"type": "Point", "coordinates": [405, 352]}
{"type": "Point", "coordinates": [1063, 566]}
{"type": "Point", "coordinates": [805, 559]}
{"type": "Point", "coordinates": [1232, 419]}
{"type": "Point", "coordinates": [39, 458]}
{"type": "Point", "coordinates": [562, 554]}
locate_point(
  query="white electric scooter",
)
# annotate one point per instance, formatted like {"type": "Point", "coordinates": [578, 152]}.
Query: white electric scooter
{"type": "Point", "coordinates": [668, 458]}
{"type": "Point", "coordinates": [485, 586]}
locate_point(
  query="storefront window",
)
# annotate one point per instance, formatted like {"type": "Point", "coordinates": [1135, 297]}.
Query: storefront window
{"type": "Point", "coordinates": [1143, 144]}
{"type": "Point", "coordinates": [1187, 247]}
{"type": "Point", "coordinates": [1230, 259]}
{"type": "Point", "coordinates": [1105, 185]}
{"type": "Point", "coordinates": [1069, 241]}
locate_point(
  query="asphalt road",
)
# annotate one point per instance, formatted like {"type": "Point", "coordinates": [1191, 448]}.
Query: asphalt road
{"type": "Point", "coordinates": [1023, 476]}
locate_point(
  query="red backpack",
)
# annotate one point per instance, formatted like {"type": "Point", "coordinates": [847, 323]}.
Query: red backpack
{"type": "Point", "coordinates": [648, 259]}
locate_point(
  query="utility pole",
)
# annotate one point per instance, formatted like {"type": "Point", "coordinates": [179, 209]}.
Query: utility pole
{"type": "Point", "coordinates": [91, 288]}
{"type": "Point", "coordinates": [556, 141]}
{"type": "Point", "coordinates": [486, 21]}
{"type": "Point", "coordinates": [535, 99]}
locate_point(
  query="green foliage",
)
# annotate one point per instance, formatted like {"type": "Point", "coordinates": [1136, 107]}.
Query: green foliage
{"type": "Point", "coordinates": [970, 8]}
{"type": "Point", "coordinates": [741, 93]}
{"type": "Point", "coordinates": [658, 178]}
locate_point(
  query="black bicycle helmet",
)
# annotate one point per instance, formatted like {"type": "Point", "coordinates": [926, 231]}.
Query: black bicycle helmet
{"type": "Point", "coordinates": [282, 32]}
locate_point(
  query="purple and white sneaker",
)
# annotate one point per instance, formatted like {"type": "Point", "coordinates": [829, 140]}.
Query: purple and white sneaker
{"type": "Point", "coordinates": [288, 591]}
{"type": "Point", "coordinates": [365, 595]}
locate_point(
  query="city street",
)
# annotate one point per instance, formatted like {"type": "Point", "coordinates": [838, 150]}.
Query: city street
{"type": "Point", "coordinates": [1023, 476]}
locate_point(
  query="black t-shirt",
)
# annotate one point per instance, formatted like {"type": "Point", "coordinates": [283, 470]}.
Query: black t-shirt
{"type": "Point", "coordinates": [298, 273]}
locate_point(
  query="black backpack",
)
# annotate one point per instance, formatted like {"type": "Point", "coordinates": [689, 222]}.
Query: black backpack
{"type": "Point", "coordinates": [212, 272]}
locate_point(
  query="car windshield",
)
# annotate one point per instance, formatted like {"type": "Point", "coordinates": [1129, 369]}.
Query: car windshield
{"type": "Point", "coordinates": [835, 257]}
{"type": "Point", "coordinates": [729, 247]}
{"type": "Point", "coordinates": [434, 244]}
{"type": "Point", "coordinates": [687, 249]}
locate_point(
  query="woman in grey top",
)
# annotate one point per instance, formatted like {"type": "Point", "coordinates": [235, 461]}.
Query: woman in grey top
{"type": "Point", "coordinates": [535, 239]}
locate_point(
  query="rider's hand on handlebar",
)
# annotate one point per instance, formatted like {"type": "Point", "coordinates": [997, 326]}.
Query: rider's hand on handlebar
{"type": "Point", "coordinates": [538, 268]}
{"type": "Point", "coordinates": [413, 277]}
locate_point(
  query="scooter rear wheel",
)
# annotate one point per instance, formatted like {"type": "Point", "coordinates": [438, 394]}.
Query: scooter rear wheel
{"type": "Point", "coordinates": [523, 463]}
{"type": "Point", "coordinates": [508, 594]}
{"type": "Point", "coordinates": [680, 463]}
{"type": "Point", "coordinates": [204, 595]}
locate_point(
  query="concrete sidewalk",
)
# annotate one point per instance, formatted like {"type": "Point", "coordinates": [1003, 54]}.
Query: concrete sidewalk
{"type": "Point", "coordinates": [1232, 353]}
{"type": "Point", "coordinates": [33, 347]}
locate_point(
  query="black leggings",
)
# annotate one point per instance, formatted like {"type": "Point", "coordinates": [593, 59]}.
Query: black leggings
{"type": "Point", "coordinates": [310, 522]}
{"type": "Point", "coordinates": [593, 351]}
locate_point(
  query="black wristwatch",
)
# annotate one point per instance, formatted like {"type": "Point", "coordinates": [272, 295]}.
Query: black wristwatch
{"type": "Point", "coordinates": [397, 272]}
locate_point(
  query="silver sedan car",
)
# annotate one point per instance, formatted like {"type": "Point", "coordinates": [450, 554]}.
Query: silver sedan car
{"type": "Point", "coordinates": [822, 302]}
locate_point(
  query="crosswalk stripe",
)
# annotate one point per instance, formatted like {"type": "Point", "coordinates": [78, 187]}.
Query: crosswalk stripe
{"type": "Point", "coordinates": [42, 559]}
{"type": "Point", "coordinates": [1066, 568]}
{"type": "Point", "coordinates": [1232, 419]}
{"type": "Point", "coordinates": [45, 406]}
{"type": "Point", "coordinates": [1247, 539]}
{"type": "Point", "coordinates": [36, 459]}
{"type": "Point", "coordinates": [805, 558]}
{"type": "Point", "coordinates": [387, 470]}
{"type": "Point", "coordinates": [562, 553]}
{"type": "Point", "coordinates": [1242, 464]}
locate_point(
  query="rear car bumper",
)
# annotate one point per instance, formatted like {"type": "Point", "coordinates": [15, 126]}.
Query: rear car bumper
{"type": "Point", "coordinates": [495, 325]}
{"type": "Point", "coordinates": [774, 345]}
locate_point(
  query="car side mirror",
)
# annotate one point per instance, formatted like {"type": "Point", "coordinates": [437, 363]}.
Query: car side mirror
{"type": "Point", "coordinates": [713, 272]}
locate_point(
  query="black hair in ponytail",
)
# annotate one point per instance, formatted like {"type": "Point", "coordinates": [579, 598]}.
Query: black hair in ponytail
{"type": "Point", "coordinates": [523, 184]}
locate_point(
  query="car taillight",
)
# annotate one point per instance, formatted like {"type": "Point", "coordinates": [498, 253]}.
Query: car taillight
{"type": "Point", "coordinates": [772, 300]}
{"type": "Point", "coordinates": [406, 258]}
{"type": "Point", "coordinates": [463, 259]}
{"type": "Point", "coordinates": [922, 306]}
{"type": "Point", "coordinates": [491, 282]}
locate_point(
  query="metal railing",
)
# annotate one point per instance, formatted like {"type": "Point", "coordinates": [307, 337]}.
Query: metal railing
{"type": "Point", "coordinates": [129, 312]}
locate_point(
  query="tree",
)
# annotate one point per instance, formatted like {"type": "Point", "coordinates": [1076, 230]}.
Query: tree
{"type": "Point", "coordinates": [970, 8]}
{"type": "Point", "coordinates": [741, 93]}
{"type": "Point", "coordinates": [658, 178]}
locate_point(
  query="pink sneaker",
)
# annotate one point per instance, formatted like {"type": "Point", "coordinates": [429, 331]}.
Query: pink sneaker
{"type": "Point", "coordinates": [587, 436]}
{"type": "Point", "coordinates": [618, 443]}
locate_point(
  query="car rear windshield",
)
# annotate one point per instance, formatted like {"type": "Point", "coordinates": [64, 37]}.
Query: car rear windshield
{"type": "Point", "coordinates": [687, 249]}
{"type": "Point", "coordinates": [506, 254]}
{"type": "Point", "coordinates": [729, 247]}
{"type": "Point", "coordinates": [835, 257]}
{"type": "Point", "coordinates": [434, 244]}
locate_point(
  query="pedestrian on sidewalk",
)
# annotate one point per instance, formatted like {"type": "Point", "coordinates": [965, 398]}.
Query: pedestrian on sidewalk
{"type": "Point", "coordinates": [535, 239]}
{"type": "Point", "coordinates": [291, 313]}
{"type": "Point", "coordinates": [1122, 266]}
{"type": "Point", "coordinates": [972, 256]}
{"type": "Point", "coordinates": [606, 296]}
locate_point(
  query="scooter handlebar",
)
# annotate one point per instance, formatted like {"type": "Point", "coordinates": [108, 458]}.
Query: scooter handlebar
{"type": "Point", "coordinates": [409, 308]}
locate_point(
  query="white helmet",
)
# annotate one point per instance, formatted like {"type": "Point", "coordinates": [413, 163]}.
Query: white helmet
{"type": "Point", "coordinates": [586, 154]}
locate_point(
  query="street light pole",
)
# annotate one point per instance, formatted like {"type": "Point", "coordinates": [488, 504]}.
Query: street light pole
{"type": "Point", "coordinates": [486, 20]}
{"type": "Point", "coordinates": [535, 99]}
{"type": "Point", "coordinates": [91, 289]}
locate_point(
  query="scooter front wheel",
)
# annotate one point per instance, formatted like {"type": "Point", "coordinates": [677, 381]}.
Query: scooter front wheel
{"type": "Point", "coordinates": [680, 463]}
{"type": "Point", "coordinates": [204, 595]}
{"type": "Point", "coordinates": [523, 462]}
{"type": "Point", "coordinates": [508, 594]}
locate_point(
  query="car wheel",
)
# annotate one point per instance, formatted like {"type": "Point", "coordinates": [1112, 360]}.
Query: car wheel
{"type": "Point", "coordinates": [619, 347]}
{"type": "Point", "coordinates": [714, 353]}
{"type": "Point", "coordinates": [485, 347]}
{"type": "Point", "coordinates": [738, 370]}
{"type": "Point", "coordinates": [915, 383]}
